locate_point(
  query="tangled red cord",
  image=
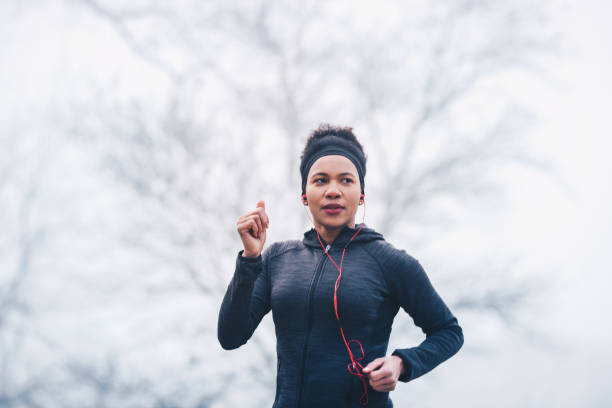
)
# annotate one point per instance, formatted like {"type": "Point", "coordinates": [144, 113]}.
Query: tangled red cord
{"type": "Point", "coordinates": [354, 367]}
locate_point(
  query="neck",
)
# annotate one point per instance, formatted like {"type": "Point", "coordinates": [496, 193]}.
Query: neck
{"type": "Point", "coordinates": [330, 234]}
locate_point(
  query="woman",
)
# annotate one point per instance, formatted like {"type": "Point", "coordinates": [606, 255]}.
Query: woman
{"type": "Point", "coordinates": [334, 294]}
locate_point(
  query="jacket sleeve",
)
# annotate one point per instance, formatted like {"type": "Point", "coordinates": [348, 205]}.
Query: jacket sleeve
{"type": "Point", "coordinates": [415, 294]}
{"type": "Point", "coordinates": [246, 301]}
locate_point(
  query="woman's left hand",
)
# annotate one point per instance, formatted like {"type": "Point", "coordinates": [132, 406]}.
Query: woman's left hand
{"type": "Point", "coordinates": [383, 372]}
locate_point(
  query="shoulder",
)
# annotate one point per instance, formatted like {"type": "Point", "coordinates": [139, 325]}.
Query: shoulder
{"type": "Point", "coordinates": [403, 274]}
{"type": "Point", "coordinates": [392, 258]}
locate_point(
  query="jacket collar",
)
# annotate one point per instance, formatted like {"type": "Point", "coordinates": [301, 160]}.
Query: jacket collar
{"type": "Point", "coordinates": [344, 238]}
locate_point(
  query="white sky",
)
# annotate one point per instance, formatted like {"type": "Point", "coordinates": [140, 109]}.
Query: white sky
{"type": "Point", "coordinates": [575, 131]}
{"type": "Point", "coordinates": [567, 228]}
{"type": "Point", "coordinates": [569, 231]}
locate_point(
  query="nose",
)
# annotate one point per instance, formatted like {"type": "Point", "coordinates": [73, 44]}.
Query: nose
{"type": "Point", "coordinates": [333, 191]}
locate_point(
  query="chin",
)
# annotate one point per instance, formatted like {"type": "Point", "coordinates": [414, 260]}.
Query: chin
{"type": "Point", "coordinates": [334, 223]}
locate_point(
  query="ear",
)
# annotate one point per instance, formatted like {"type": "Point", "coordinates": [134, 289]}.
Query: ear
{"type": "Point", "coordinates": [304, 200]}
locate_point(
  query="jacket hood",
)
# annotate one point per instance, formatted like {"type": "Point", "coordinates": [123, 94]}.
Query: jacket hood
{"type": "Point", "coordinates": [342, 240]}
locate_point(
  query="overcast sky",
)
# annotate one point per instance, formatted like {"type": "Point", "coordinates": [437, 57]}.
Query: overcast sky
{"type": "Point", "coordinates": [573, 228]}
{"type": "Point", "coordinates": [563, 224]}
{"type": "Point", "coordinates": [574, 129]}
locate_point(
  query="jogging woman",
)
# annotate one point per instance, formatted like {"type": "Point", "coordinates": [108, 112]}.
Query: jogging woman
{"type": "Point", "coordinates": [334, 293]}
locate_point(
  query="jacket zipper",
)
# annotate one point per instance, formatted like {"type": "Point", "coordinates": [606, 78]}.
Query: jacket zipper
{"type": "Point", "coordinates": [313, 285]}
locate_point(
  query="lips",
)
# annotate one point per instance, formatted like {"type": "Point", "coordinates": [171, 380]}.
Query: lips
{"type": "Point", "coordinates": [332, 207]}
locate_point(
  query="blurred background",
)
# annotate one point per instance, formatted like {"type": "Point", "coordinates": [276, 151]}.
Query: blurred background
{"type": "Point", "coordinates": [134, 134]}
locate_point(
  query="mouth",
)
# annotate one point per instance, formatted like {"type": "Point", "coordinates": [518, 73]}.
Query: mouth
{"type": "Point", "coordinates": [332, 208]}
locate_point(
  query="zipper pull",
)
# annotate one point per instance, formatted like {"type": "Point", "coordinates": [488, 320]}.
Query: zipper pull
{"type": "Point", "coordinates": [327, 247]}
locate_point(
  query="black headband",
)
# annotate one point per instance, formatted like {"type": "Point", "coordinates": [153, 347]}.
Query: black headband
{"type": "Point", "coordinates": [333, 150]}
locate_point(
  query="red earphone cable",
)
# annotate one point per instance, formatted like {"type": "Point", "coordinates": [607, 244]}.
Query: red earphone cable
{"type": "Point", "coordinates": [354, 367]}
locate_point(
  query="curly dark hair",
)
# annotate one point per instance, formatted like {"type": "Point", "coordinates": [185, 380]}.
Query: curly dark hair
{"type": "Point", "coordinates": [326, 130]}
{"type": "Point", "coordinates": [327, 135]}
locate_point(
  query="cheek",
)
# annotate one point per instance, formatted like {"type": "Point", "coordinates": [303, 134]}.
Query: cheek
{"type": "Point", "coordinates": [354, 205]}
{"type": "Point", "coordinates": [312, 197]}
{"type": "Point", "coordinates": [356, 197]}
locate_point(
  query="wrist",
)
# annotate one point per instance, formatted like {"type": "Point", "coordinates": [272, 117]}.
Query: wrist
{"type": "Point", "coordinates": [400, 363]}
{"type": "Point", "coordinates": [251, 255]}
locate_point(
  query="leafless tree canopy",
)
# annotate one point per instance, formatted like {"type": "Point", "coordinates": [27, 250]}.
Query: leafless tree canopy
{"type": "Point", "coordinates": [232, 89]}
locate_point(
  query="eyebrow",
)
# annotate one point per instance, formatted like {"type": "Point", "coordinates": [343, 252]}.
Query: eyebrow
{"type": "Point", "coordinates": [320, 173]}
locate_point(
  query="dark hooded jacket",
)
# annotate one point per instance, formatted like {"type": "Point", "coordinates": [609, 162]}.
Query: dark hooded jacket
{"type": "Point", "coordinates": [295, 279]}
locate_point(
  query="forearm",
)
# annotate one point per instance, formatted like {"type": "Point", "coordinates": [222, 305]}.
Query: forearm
{"type": "Point", "coordinates": [438, 347]}
{"type": "Point", "coordinates": [235, 325]}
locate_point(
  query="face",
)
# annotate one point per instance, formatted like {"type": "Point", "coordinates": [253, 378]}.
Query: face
{"type": "Point", "coordinates": [333, 192]}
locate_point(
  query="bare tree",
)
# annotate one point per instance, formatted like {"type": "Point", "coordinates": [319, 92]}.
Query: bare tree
{"type": "Point", "coordinates": [247, 81]}
{"type": "Point", "coordinates": [21, 167]}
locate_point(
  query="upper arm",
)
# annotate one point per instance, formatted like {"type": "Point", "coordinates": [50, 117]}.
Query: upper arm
{"type": "Point", "coordinates": [413, 291]}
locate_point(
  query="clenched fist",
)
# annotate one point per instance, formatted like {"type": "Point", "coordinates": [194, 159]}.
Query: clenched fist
{"type": "Point", "coordinates": [384, 372]}
{"type": "Point", "coordinates": [252, 228]}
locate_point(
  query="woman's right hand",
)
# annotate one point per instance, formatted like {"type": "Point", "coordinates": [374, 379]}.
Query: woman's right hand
{"type": "Point", "coordinates": [252, 228]}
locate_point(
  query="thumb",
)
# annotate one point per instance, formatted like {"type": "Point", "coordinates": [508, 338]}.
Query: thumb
{"type": "Point", "coordinates": [374, 364]}
{"type": "Point", "coordinates": [262, 204]}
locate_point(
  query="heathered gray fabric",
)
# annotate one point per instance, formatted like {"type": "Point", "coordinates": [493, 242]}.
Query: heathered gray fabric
{"type": "Point", "coordinates": [295, 280]}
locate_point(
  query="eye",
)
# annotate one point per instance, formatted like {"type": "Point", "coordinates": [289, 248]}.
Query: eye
{"type": "Point", "coordinates": [319, 180]}
{"type": "Point", "coordinates": [347, 179]}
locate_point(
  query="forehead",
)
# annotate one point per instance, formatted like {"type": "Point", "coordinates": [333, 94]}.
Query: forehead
{"type": "Point", "coordinates": [333, 164]}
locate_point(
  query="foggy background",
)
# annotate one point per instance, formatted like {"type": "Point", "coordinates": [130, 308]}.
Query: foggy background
{"type": "Point", "coordinates": [134, 134]}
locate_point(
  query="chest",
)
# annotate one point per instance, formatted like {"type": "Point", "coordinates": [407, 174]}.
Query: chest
{"type": "Point", "coordinates": [303, 285]}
